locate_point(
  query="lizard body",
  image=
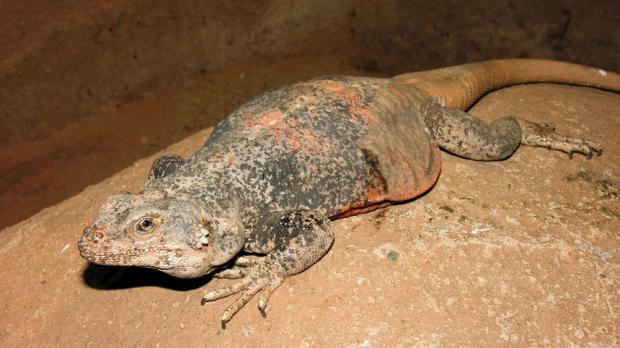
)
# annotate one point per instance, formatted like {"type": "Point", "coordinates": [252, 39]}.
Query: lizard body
{"type": "Point", "coordinates": [275, 172]}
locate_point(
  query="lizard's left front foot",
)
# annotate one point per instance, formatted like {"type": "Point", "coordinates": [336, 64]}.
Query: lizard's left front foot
{"type": "Point", "coordinates": [259, 273]}
{"type": "Point", "coordinates": [544, 136]}
{"type": "Point", "coordinates": [296, 239]}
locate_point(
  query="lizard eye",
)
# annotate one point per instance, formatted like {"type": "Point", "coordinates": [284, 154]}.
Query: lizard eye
{"type": "Point", "coordinates": [146, 225]}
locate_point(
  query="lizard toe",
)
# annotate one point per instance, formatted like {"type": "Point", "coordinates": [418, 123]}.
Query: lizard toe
{"type": "Point", "coordinates": [266, 294]}
{"type": "Point", "coordinates": [264, 274]}
{"type": "Point", "coordinates": [238, 303]}
{"type": "Point", "coordinates": [248, 260]}
{"type": "Point", "coordinates": [587, 148]}
{"type": "Point", "coordinates": [231, 273]}
{"type": "Point", "coordinates": [225, 291]}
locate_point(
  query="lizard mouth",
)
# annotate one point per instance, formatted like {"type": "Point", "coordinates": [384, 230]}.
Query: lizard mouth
{"type": "Point", "coordinates": [104, 253]}
{"type": "Point", "coordinates": [179, 261]}
{"type": "Point", "coordinates": [101, 257]}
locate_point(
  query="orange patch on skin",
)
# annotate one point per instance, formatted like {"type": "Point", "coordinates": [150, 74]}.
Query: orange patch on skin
{"type": "Point", "coordinates": [364, 113]}
{"type": "Point", "coordinates": [286, 131]}
{"type": "Point", "coordinates": [281, 127]}
{"type": "Point", "coordinates": [348, 93]}
{"type": "Point", "coordinates": [357, 110]}
{"type": "Point", "coordinates": [404, 187]}
{"type": "Point", "coordinates": [230, 159]}
{"type": "Point", "coordinates": [309, 141]}
{"type": "Point", "coordinates": [313, 168]}
{"type": "Point", "coordinates": [333, 86]}
{"type": "Point", "coordinates": [305, 142]}
{"type": "Point", "coordinates": [301, 139]}
{"type": "Point", "coordinates": [265, 120]}
{"type": "Point", "coordinates": [376, 195]}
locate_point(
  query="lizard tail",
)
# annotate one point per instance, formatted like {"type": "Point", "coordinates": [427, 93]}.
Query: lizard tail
{"type": "Point", "coordinates": [462, 85]}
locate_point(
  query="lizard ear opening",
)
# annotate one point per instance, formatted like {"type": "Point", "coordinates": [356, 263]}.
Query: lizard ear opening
{"type": "Point", "coordinates": [227, 238]}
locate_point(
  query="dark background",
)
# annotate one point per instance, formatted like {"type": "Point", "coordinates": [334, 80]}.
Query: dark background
{"type": "Point", "coordinates": [88, 87]}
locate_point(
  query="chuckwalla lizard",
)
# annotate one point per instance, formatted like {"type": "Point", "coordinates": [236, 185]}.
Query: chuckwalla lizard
{"type": "Point", "coordinates": [255, 202]}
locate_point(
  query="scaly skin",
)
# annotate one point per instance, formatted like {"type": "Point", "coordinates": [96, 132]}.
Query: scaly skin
{"type": "Point", "coordinates": [274, 172]}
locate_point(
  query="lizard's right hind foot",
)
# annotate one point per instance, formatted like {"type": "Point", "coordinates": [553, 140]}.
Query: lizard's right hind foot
{"type": "Point", "coordinates": [543, 135]}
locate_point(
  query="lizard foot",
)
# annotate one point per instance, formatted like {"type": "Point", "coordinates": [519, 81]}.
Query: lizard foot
{"type": "Point", "coordinates": [258, 274]}
{"type": "Point", "coordinates": [297, 239]}
{"type": "Point", "coordinates": [544, 136]}
{"type": "Point", "coordinates": [239, 270]}
{"type": "Point", "coordinates": [576, 145]}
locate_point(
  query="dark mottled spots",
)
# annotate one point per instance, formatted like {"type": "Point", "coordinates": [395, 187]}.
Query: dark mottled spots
{"type": "Point", "coordinates": [447, 208]}
{"type": "Point", "coordinates": [469, 137]}
{"type": "Point", "coordinates": [277, 228]}
{"type": "Point", "coordinates": [376, 179]}
{"type": "Point", "coordinates": [379, 218]}
{"type": "Point", "coordinates": [165, 166]}
{"type": "Point", "coordinates": [582, 174]}
{"type": "Point", "coordinates": [606, 189]}
{"type": "Point", "coordinates": [609, 212]}
{"type": "Point", "coordinates": [393, 255]}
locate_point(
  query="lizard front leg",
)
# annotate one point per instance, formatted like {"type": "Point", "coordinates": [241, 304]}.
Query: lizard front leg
{"type": "Point", "coordinates": [292, 241]}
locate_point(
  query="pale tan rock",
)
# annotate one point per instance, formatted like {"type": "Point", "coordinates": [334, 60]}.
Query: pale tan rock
{"type": "Point", "coordinates": [518, 252]}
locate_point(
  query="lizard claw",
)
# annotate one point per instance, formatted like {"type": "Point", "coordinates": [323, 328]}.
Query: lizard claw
{"type": "Point", "coordinates": [585, 147]}
{"type": "Point", "coordinates": [543, 135]}
{"type": "Point", "coordinates": [576, 145]}
{"type": "Point", "coordinates": [262, 274]}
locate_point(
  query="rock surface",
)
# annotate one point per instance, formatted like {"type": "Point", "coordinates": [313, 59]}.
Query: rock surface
{"type": "Point", "coordinates": [518, 252]}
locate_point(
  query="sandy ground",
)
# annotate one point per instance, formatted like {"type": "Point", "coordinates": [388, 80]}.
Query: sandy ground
{"type": "Point", "coordinates": [512, 253]}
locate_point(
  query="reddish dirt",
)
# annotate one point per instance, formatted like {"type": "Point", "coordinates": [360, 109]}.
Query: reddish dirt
{"type": "Point", "coordinates": [522, 252]}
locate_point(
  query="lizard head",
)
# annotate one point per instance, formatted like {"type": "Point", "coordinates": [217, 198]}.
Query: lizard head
{"type": "Point", "coordinates": [173, 235]}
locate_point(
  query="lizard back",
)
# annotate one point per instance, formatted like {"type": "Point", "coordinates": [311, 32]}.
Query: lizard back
{"type": "Point", "coordinates": [337, 145]}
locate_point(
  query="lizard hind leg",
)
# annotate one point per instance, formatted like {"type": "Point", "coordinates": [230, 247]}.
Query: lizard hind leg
{"type": "Point", "coordinates": [464, 135]}
{"type": "Point", "coordinates": [467, 136]}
